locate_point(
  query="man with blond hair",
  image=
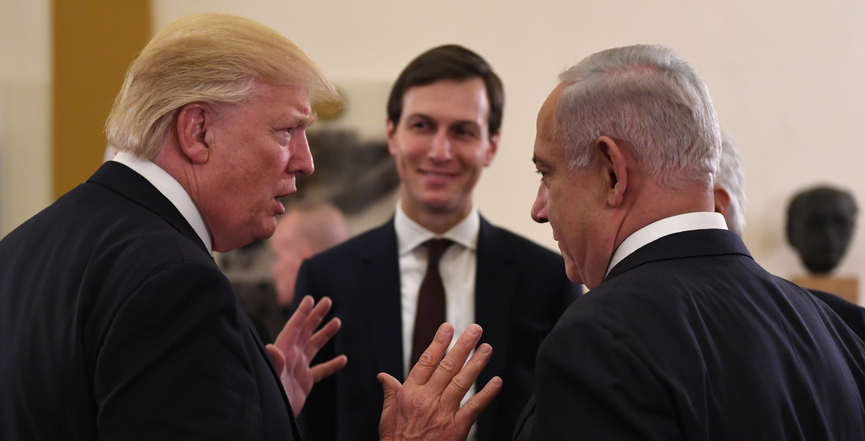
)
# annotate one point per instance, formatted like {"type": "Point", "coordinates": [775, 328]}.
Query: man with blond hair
{"type": "Point", "coordinates": [115, 322]}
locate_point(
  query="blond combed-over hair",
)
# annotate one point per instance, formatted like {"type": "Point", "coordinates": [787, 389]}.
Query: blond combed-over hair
{"type": "Point", "coordinates": [210, 58]}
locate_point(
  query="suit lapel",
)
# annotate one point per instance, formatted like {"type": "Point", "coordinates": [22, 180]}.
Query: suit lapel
{"type": "Point", "coordinates": [494, 290]}
{"type": "Point", "coordinates": [523, 429]}
{"type": "Point", "coordinates": [123, 180]}
{"type": "Point", "coordinates": [379, 286]}
{"type": "Point", "coordinates": [263, 351]}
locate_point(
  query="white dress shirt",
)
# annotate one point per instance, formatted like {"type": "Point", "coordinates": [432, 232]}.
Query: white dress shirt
{"type": "Point", "coordinates": [458, 269]}
{"type": "Point", "coordinates": [172, 190]}
{"type": "Point", "coordinates": [701, 220]}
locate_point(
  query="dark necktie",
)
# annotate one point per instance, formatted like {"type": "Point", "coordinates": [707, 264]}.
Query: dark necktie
{"type": "Point", "coordinates": [431, 301]}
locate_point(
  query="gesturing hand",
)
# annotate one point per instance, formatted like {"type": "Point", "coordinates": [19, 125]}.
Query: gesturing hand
{"type": "Point", "coordinates": [427, 406]}
{"type": "Point", "coordinates": [295, 347]}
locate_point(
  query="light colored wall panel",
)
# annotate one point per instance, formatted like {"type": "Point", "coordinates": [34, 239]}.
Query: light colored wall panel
{"type": "Point", "coordinates": [25, 110]}
{"type": "Point", "coordinates": [784, 78]}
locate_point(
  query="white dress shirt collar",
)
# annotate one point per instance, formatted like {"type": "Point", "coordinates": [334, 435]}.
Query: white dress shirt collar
{"type": "Point", "coordinates": [172, 190]}
{"type": "Point", "coordinates": [411, 234]}
{"type": "Point", "coordinates": [702, 220]}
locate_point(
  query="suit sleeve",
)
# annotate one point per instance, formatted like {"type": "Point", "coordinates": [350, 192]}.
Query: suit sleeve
{"type": "Point", "coordinates": [172, 363]}
{"type": "Point", "coordinates": [318, 419]}
{"type": "Point", "coordinates": [592, 386]}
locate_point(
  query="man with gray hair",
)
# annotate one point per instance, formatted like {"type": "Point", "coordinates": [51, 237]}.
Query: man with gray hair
{"type": "Point", "coordinates": [729, 188]}
{"type": "Point", "coordinates": [730, 202]}
{"type": "Point", "coordinates": [683, 335]}
{"type": "Point", "coordinates": [115, 322]}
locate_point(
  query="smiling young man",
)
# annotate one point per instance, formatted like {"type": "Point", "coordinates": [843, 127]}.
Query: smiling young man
{"type": "Point", "coordinates": [443, 129]}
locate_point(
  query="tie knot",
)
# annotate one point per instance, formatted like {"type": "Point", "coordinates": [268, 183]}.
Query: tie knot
{"type": "Point", "coordinates": [435, 248]}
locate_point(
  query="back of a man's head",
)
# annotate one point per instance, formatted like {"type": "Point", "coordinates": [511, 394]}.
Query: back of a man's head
{"type": "Point", "coordinates": [303, 231]}
{"type": "Point", "coordinates": [731, 178]}
{"type": "Point", "coordinates": [209, 58]}
{"type": "Point", "coordinates": [448, 62]}
{"type": "Point", "coordinates": [651, 100]}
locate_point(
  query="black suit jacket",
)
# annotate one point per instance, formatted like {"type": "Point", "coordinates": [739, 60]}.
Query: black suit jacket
{"type": "Point", "coordinates": [115, 323]}
{"type": "Point", "coordinates": [853, 315]}
{"type": "Point", "coordinates": [688, 338]}
{"type": "Point", "coordinates": [521, 290]}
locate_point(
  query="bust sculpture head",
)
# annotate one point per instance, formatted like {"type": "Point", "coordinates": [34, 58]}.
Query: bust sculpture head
{"type": "Point", "coordinates": [820, 224]}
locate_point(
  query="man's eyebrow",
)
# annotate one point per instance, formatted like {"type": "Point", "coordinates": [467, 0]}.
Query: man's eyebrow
{"type": "Point", "coordinates": [306, 120]}
{"type": "Point", "coordinates": [538, 161]}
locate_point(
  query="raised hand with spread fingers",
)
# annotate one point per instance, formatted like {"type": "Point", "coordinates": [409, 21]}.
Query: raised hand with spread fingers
{"type": "Point", "coordinates": [427, 405]}
{"type": "Point", "coordinates": [296, 346]}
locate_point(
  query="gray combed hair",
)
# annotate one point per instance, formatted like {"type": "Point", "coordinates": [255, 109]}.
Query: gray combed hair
{"type": "Point", "coordinates": [651, 100]}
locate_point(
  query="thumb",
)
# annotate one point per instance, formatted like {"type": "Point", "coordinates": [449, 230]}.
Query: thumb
{"type": "Point", "coordinates": [387, 425]}
{"type": "Point", "coordinates": [277, 358]}
{"type": "Point", "coordinates": [390, 385]}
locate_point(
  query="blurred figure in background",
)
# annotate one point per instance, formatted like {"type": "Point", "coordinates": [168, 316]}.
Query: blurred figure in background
{"type": "Point", "coordinates": [304, 231]}
{"type": "Point", "coordinates": [730, 202]}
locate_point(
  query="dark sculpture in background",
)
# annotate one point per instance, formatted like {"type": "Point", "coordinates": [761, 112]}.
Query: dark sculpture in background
{"type": "Point", "coordinates": [820, 224]}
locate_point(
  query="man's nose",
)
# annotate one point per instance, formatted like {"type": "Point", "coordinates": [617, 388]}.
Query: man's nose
{"type": "Point", "coordinates": [300, 162]}
{"type": "Point", "coordinates": [441, 146]}
{"type": "Point", "coordinates": [539, 208]}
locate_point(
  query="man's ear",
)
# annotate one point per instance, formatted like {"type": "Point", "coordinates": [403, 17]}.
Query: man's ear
{"type": "Point", "coordinates": [722, 201]}
{"type": "Point", "coordinates": [494, 148]}
{"type": "Point", "coordinates": [614, 168]}
{"type": "Point", "coordinates": [193, 122]}
{"type": "Point", "coordinates": [390, 129]}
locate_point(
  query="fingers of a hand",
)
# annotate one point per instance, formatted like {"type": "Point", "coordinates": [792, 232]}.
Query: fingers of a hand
{"type": "Point", "coordinates": [426, 365]}
{"type": "Point", "coordinates": [276, 357]}
{"type": "Point", "coordinates": [295, 322]}
{"type": "Point", "coordinates": [321, 337]}
{"type": "Point", "coordinates": [462, 381]}
{"type": "Point", "coordinates": [314, 319]}
{"type": "Point", "coordinates": [321, 371]}
{"type": "Point", "coordinates": [456, 358]}
{"type": "Point", "coordinates": [470, 411]}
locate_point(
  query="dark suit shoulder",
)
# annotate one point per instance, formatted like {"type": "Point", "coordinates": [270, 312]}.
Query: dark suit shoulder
{"type": "Point", "coordinates": [367, 243]}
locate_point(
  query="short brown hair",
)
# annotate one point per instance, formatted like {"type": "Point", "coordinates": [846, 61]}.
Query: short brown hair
{"type": "Point", "coordinates": [448, 62]}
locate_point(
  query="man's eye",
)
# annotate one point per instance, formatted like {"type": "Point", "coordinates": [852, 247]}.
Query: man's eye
{"type": "Point", "coordinates": [464, 132]}
{"type": "Point", "coordinates": [544, 176]}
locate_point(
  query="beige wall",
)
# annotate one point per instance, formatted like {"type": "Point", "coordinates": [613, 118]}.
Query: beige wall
{"type": "Point", "coordinates": [784, 78]}
{"type": "Point", "coordinates": [25, 110]}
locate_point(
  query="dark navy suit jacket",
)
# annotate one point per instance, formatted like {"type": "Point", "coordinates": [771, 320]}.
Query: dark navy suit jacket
{"type": "Point", "coordinates": [688, 338]}
{"type": "Point", "coordinates": [116, 324]}
{"type": "Point", "coordinates": [521, 290]}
